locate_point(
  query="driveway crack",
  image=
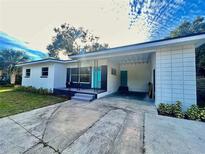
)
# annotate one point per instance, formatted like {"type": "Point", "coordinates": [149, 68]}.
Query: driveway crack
{"type": "Point", "coordinates": [48, 120]}
{"type": "Point", "coordinates": [41, 141]}
{"type": "Point", "coordinates": [27, 150]}
{"type": "Point", "coordinates": [143, 133]}
{"type": "Point", "coordinates": [24, 128]}
{"type": "Point", "coordinates": [120, 131]}
{"type": "Point", "coordinates": [85, 130]}
{"type": "Point", "coordinates": [118, 108]}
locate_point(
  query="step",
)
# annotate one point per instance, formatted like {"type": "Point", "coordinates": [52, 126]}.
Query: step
{"type": "Point", "coordinates": [85, 95]}
{"type": "Point", "coordinates": [82, 98]}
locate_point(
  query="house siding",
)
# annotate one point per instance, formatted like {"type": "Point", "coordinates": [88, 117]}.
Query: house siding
{"type": "Point", "coordinates": [35, 79]}
{"type": "Point", "coordinates": [113, 80]}
{"type": "Point", "coordinates": [60, 73]}
{"type": "Point", "coordinates": [176, 75]}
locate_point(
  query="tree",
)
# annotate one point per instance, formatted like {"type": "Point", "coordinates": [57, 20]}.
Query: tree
{"type": "Point", "coordinates": [194, 27]}
{"type": "Point", "coordinates": [73, 40]}
{"type": "Point", "coordinates": [8, 60]}
{"type": "Point", "coordinates": [187, 27]}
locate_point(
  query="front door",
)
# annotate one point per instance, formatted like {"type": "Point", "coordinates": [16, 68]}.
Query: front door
{"type": "Point", "coordinates": [104, 77]}
{"type": "Point", "coordinates": [123, 75]}
{"type": "Point", "coordinates": [97, 77]}
{"type": "Point", "coordinates": [68, 75]}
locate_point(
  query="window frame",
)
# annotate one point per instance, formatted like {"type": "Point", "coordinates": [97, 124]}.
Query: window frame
{"type": "Point", "coordinates": [26, 75]}
{"type": "Point", "coordinates": [114, 71]}
{"type": "Point", "coordinates": [79, 73]}
{"type": "Point", "coordinates": [43, 71]}
{"type": "Point", "coordinates": [83, 74]}
{"type": "Point", "coordinates": [74, 72]}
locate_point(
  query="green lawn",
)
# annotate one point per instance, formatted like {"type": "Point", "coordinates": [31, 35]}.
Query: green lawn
{"type": "Point", "coordinates": [12, 102]}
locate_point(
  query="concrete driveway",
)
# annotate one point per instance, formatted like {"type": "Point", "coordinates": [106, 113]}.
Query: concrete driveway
{"type": "Point", "coordinates": [108, 125]}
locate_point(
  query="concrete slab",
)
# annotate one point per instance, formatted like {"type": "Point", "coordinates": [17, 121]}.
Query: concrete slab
{"type": "Point", "coordinates": [127, 103]}
{"type": "Point", "coordinates": [100, 137]}
{"type": "Point", "coordinates": [130, 139]}
{"type": "Point", "coordinates": [13, 138]}
{"type": "Point", "coordinates": [35, 121]}
{"type": "Point", "coordinates": [166, 135]}
{"type": "Point", "coordinates": [68, 123]}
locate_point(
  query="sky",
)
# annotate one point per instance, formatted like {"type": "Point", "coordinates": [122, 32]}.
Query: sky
{"type": "Point", "coordinates": [117, 22]}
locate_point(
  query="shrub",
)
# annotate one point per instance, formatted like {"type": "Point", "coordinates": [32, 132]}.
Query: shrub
{"type": "Point", "coordinates": [202, 114]}
{"type": "Point", "coordinates": [162, 108]}
{"type": "Point", "coordinates": [4, 82]}
{"type": "Point", "coordinates": [177, 110]}
{"type": "Point", "coordinates": [193, 113]}
{"type": "Point", "coordinates": [165, 109]}
{"type": "Point", "coordinates": [7, 85]}
{"type": "Point", "coordinates": [174, 110]}
{"type": "Point", "coordinates": [31, 89]}
{"type": "Point", "coordinates": [43, 91]}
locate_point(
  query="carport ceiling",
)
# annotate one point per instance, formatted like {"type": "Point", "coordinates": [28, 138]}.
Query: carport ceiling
{"type": "Point", "coordinates": [138, 58]}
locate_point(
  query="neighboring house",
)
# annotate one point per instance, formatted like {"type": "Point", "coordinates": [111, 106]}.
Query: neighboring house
{"type": "Point", "coordinates": [168, 64]}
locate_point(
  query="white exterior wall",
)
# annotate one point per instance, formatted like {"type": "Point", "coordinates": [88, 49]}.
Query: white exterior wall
{"type": "Point", "coordinates": [35, 79]}
{"type": "Point", "coordinates": [113, 81]}
{"type": "Point", "coordinates": [139, 75]}
{"type": "Point", "coordinates": [176, 75]}
{"type": "Point", "coordinates": [60, 75]}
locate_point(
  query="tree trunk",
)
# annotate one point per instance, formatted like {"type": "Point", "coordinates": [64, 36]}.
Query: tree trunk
{"type": "Point", "coordinates": [13, 78]}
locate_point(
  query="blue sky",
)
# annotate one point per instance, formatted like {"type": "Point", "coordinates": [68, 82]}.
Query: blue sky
{"type": "Point", "coordinates": [116, 22]}
{"type": "Point", "coordinates": [8, 42]}
{"type": "Point", "coordinates": [162, 16]}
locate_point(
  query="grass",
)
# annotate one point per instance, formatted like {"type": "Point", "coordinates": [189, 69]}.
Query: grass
{"type": "Point", "coordinates": [13, 102]}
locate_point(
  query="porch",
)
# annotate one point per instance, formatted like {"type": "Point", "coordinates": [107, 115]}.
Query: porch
{"type": "Point", "coordinates": [72, 91]}
{"type": "Point", "coordinates": [129, 75]}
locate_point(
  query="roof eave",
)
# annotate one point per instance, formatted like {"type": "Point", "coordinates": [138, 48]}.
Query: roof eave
{"type": "Point", "coordinates": [195, 40]}
{"type": "Point", "coordinates": [46, 61]}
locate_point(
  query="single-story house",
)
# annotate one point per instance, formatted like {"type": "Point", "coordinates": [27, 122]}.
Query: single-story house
{"type": "Point", "coordinates": [168, 66]}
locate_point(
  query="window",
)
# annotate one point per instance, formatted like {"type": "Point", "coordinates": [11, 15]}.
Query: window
{"type": "Point", "coordinates": [44, 72]}
{"type": "Point", "coordinates": [82, 75]}
{"type": "Point", "coordinates": [113, 71]}
{"type": "Point", "coordinates": [28, 73]}
{"type": "Point", "coordinates": [74, 74]}
{"type": "Point", "coordinates": [85, 74]}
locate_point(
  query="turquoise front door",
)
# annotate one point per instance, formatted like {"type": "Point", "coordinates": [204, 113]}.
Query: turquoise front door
{"type": "Point", "coordinates": [123, 75]}
{"type": "Point", "coordinates": [97, 77]}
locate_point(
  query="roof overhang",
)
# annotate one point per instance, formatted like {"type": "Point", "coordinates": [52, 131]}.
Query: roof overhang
{"type": "Point", "coordinates": [147, 47]}
{"type": "Point", "coordinates": [46, 61]}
